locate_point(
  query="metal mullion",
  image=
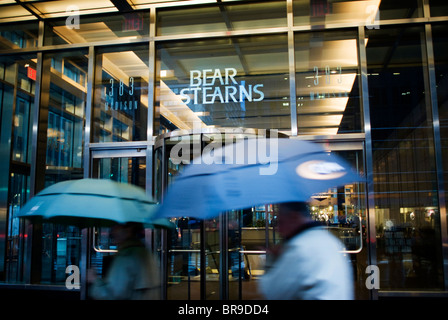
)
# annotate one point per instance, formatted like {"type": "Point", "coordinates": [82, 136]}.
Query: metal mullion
{"type": "Point", "coordinates": [222, 34]}
{"type": "Point", "coordinates": [368, 154]}
{"type": "Point", "coordinates": [292, 69]}
{"type": "Point", "coordinates": [74, 46]}
{"type": "Point", "coordinates": [431, 74]}
{"type": "Point", "coordinates": [223, 256]}
{"type": "Point", "coordinates": [164, 233]}
{"type": "Point", "coordinates": [426, 9]}
{"type": "Point", "coordinates": [89, 110]}
{"type": "Point", "coordinates": [152, 74]}
{"type": "Point", "coordinates": [32, 230]}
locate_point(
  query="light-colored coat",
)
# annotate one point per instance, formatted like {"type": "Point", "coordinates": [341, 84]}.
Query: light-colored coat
{"type": "Point", "coordinates": [311, 267]}
{"type": "Point", "coordinates": [132, 275]}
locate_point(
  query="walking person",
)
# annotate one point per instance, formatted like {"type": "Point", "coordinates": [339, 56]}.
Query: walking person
{"type": "Point", "coordinates": [133, 273]}
{"type": "Point", "coordinates": [308, 264]}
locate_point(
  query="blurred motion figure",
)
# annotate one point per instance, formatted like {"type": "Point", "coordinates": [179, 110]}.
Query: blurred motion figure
{"type": "Point", "coordinates": [308, 264]}
{"type": "Point", "coordinates": [133, 273]}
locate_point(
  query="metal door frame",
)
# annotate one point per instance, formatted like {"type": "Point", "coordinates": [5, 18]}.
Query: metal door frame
{"type": "Point", "coordinates": [357, 142]}
{"type": "Point", "coordinates": [101, 151]}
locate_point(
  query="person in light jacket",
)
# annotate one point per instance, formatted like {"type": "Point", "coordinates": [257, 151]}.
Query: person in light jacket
{"type": "Point", "coordinates": [308, 264]}
{"type": "Point", "coordinates": [133, 273]}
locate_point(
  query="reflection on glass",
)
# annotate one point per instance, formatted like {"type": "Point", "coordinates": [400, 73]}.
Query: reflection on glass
{"type": "Point", "coordinates": [19, 193]}
{"type": "Point", "coordinates": [17, 86]}
{"type": "Point", "coordinates": [322, 13]}
{"type": "Point", "coordinates": [66, 116]}
{"type": "Point", "coordinates": [121, 94]}
{"type": "Point", "coordinates": [221, 17]}
{"type": "Point", "coordinates": [64, 75]}
{"type": "Point", "coordinates": [241, 82]}
{"type": "Point", "coordinates": [438, 8]}
{"type": "Point", "coordinates": [18, 35]}
{"type": "Point", "coordinates": [407, 210]}
{"type": "Point", "coordinates": [327, 87]}
{"type": "Point", "coordinates": [441, 69]}
{"type": "Point", "coordinates": [75, 29]}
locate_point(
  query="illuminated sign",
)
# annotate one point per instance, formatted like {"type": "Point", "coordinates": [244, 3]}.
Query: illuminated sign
{"type": "Point", "coordinates": [210, 86]}
{"type": "Point", "coordinates": [132, 22]}
{"type": "Point", "coordinates": [31, 73]}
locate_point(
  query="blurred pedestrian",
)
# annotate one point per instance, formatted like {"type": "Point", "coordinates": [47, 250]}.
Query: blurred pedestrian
{"type": "Point", "coordinates": [308, 264]}
{"type": "Point", "coordinates": [133, 273]}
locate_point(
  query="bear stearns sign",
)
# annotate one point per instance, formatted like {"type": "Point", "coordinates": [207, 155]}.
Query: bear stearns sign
{"type": "Point", "coordinates": [210, 86]}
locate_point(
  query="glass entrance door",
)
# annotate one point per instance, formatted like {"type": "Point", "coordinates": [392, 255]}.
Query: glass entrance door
{"type": "Point", "coordinates": [124, 166]}
{"type": "Point", "coordinates": [223, 258]}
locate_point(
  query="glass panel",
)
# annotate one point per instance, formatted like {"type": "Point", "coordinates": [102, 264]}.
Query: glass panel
{"type": "Point", "coordinates": [407, 210]}
{"type": "Point", "coordinates": [16, 244]}
{"type": "Point", "coordinates": [183, 242]}
{"type": "Point", "coordinates": [16, 100]}
{"type": "Point", "coordinates": [66, 116]}
{"type": "Point", "coordinates": [184, 260]}
{"type": "Point", "coordinates": [74, 29]}
{"type": "Point", "coordinates": [441, 69]}
{"type": "Point", "coordinates": [327, 83]}
{"type": "Point", "coordinates": [255, 236]}
{"type": "Point", "coordinates": [12, 13]}
{"type": "Point", "coordinates": [18, 35]}
{"type": "Point", "coordinates": [52, 9]}
{"type": "Point", "coordinates": [343, 211]}
{"type": "Point", "coordinates": [64, 75]}
{"type": "Point", "coordinates": [438, 8]}
{"type": "Point", "coordinates": [221, 18]}
{"type": "Point", "coordinates": [220, 83]}
{"type": "Point", "coordinates": [321, 13]}
{"type": "Point", "coordinates": [121, 94]}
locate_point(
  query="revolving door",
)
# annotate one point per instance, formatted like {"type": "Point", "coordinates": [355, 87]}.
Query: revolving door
{"type": "Point", "coordinates": [223, 258]}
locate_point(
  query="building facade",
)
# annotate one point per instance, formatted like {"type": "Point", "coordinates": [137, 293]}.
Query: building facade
{"type": "Point", "coordinates": [110, 89]}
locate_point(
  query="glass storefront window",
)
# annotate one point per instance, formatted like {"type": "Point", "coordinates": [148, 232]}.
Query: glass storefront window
{"type": "Point", "coordinates": [407, 210]}
{"type": "Point", "coordinates": [87, 29]}
{"type": "Point", "coordinates": [66, 103]}
{"type": "Point", "coordinates": [239, 82]}
{"type": "Point", "coordinates": [322, 13]}
{"type": "Point", "coordinates": [66, 115]}
{"type": "Point", "coordinates": [220, 17]}
{"type": "Point", "coordinates": [441, 69]}
{"type": "Point", "coordinates": [327, 83]}
{"type": "Point", "coordinates": [18, 36]}
{"type": "Point", "coordinates": [121, 94]}
{"type": "Point", "coordinates": [438, 8]}
{"type": "Point", "coordinates": [17, 86]}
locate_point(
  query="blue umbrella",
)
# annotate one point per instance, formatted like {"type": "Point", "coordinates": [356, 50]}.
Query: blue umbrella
{"type": "Point", "coordinates": [253, 172]}
{"type": "Point", "coordinates": [92, 202]}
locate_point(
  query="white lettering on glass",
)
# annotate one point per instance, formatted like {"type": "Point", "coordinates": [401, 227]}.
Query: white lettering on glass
{"type": "Point", "coordinates": [121, 96]}
{"type": "Point", "coordinates": [210, 86]}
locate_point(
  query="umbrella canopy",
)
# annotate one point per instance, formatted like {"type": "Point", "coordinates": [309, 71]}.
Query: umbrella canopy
{"type": "Point", "coordinates": [253, 172]}
{"type": "Point", "coordinates": [92, 202]}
